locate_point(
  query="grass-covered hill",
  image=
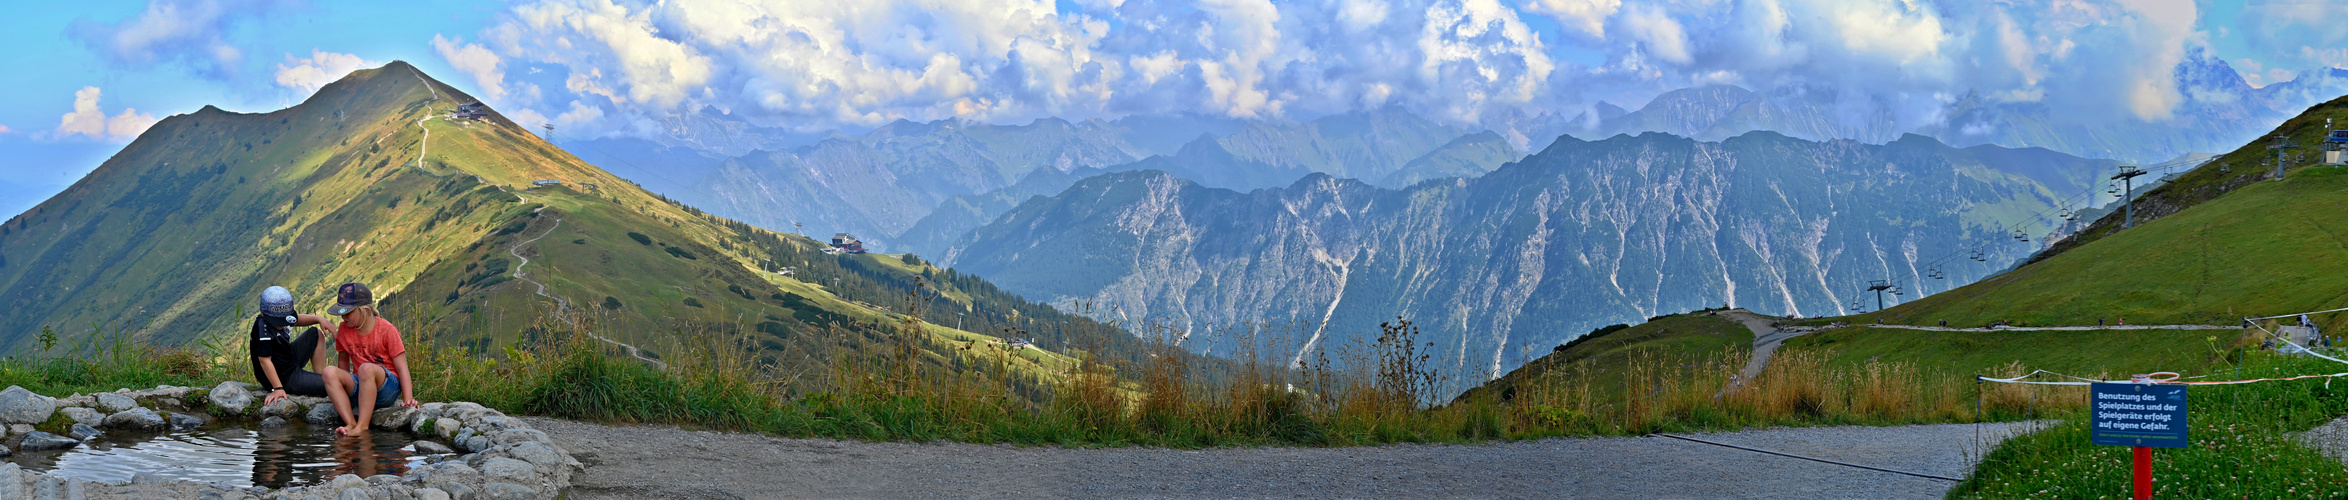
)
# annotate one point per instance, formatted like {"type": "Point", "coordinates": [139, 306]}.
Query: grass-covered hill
{"type": "Point", "coordinates": [2215, 245]}
{"type": "Point", "coordinates": [1601, 354]}
{"type": "Point", "coordinates": [370, 180]}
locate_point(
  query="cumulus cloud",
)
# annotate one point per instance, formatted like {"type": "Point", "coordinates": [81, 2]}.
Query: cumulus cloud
{"type": "Point", "coordinates": [1586, 16]}
{"type": "Point", "coordinates": [475, 62]}
{"type": "Point", "coordinates": [189, 32]}
{"type": "Point", "coordinates": [306, 75]}
{"type": "Point", "coordinates": [90, 120]}
{"type": "Point", "coordinates": [629, 66]}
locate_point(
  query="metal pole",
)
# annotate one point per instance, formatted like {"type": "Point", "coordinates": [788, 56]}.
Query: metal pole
{"type": "Point", "coordinates": [2130, 183]}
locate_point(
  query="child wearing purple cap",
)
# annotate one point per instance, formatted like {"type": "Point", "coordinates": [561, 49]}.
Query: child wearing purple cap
{"type": "Point", "coordinates": [377, 359]}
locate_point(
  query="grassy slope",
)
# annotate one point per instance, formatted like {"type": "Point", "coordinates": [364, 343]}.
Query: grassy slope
{"type": "Point", "coordinates": [2084, 353]}
{"type": "Point", "coordinates": [1679, 336]}
{"type": "Point", "coordinates": [215, 205]}
{"type": "Point", "coordinates": [2226, 246]}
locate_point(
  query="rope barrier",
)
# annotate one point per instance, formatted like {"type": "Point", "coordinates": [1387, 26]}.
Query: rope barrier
{"type": "Point", "coordinates": [2285, 316]}
{"type": "Point", "coordinates": [1813, 459]}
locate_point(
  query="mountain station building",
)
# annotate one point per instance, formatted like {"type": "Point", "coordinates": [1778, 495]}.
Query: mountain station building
{"type": "Point", "coordinates": [2336, 148]}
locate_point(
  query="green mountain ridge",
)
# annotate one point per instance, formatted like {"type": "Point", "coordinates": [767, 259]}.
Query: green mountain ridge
{"type": "Point", "coordinates": [369, 180]}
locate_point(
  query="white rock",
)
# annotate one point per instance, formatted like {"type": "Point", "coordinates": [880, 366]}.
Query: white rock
{"type": "Point", "coordinates": [347, 481]}
{"type": "Point", "coordinates": [432, 494]}
{"type": "Point", "coordinates": [12, 479]}
{"type": "Point", "coordinates": [21, 406]}
{"type": "Point", "coordinates": [230, 397]}
{"type": "Point", "coordinates": [113, 402]}
{"type": "Point", "coordinates": [509, 469]}
{"type": "Point", "coordinates": [507, 491]}
{"type": "Point", "coordinates": [537, 453]}
{"type": "Point", "coordinates": [447, 428]}
{"type": "Point", "coordinates": [84, 416]}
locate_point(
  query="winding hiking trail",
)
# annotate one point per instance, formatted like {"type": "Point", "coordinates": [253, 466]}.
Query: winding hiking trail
{"type": "Point", "coordinates": [1766, 338]}
{"type": "Point", "coordinates": [561, 305]}
{"type": "Point", "coordinates": [670, 462]}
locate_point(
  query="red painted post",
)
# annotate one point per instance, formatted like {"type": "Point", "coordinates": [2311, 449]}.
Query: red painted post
{"type": "Point", "coordinates": [2143, 473]}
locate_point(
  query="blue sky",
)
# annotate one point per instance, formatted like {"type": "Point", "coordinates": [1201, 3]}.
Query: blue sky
{"type": "Point", "coordinates": [616, 68]}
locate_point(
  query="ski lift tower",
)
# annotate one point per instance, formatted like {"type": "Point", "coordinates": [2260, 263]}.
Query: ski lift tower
{"type": "Point", "coordinates": [1878, 286]}
{"type": "Point", "coordinates": [2126, 176]}
{"type": "Point", "coordinates": [2281, 144]}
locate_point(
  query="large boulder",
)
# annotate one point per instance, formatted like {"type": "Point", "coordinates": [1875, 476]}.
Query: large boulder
{"type": "Point", "coordinates": [536, 453]}
{"type": "Point", "coordinates": [510, 470]}
{"type": "Point", "coordinates": [84, 416]}
{"type": "Point", "coordinates": [21, 406]}
{"type": "Point", "coordinates": [230, 398]}
{"type": "Point", "coordinates": [83, 432]}
{"type": "Point", "coordinates": [508, 491]}
{"type": "Point", "coordinates": [138, 419]}
{"type": "Point", "coordinates": [393, 418]}
{"type": "Point", "coordinates": [115, 402]}
{"type": "Point", "coordinates": [324, 414]}
{"type": "Point", "coordinates": [284, 407]}
{"type": "Point", "coordinates": [37, 441]}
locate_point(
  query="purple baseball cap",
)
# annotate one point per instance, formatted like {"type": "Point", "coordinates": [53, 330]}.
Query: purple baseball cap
{"type": "Point", "coordinates": [351, 296]}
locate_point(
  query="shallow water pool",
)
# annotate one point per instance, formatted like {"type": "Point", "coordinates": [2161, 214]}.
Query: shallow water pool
{"type": "Point", "coordinates": [233, 453]}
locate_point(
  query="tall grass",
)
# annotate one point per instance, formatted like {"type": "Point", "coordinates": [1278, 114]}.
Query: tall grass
{"type": "Point", "coordinates": [919, 387]}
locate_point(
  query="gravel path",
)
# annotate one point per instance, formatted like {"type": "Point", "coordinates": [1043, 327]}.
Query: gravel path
{"type": "Point", "coordinates": [1766, 338]}
{"type": "Point", "coordinates": [667, 462]}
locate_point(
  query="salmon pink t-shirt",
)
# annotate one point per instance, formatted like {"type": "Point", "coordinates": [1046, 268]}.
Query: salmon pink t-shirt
{"type": "Point", "coordinates": [377, 348]}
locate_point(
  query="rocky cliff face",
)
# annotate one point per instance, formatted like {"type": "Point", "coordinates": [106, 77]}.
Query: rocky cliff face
{"type": "Point", "coordinates": [1500, 268]}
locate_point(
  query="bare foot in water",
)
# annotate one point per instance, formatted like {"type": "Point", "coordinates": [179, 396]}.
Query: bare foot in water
{"type": "Point", "coordinates": [346, 431]}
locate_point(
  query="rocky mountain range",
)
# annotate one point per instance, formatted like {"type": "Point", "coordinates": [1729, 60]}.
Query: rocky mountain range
{"type": "Point", "coordinates": [1502, 267]}
{"type": "Point", "coordinates": [914, 186]}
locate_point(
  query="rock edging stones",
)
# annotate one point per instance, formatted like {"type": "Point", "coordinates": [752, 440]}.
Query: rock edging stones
{"type": "Point", "coordinates": [502, 457]}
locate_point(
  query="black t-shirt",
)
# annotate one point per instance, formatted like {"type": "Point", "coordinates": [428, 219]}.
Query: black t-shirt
{"type": "Point", "coordinates": [277, 345]}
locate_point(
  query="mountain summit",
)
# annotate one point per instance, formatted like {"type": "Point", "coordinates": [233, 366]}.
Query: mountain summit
{"type": "Point", "coordinates": [473, 231]}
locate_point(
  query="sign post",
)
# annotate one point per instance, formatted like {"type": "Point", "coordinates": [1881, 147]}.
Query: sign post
{"type": "Point", "coordinates": [2140, 415]}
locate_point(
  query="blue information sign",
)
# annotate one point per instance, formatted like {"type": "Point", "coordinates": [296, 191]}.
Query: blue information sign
{"type": "Point", "coordinates": [2138, 415]}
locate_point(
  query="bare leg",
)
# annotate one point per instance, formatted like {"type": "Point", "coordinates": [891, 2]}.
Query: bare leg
{"type": "Point", "coordinates": [338, 386]}
{"type": "Point", "coordinates": [370, 380]}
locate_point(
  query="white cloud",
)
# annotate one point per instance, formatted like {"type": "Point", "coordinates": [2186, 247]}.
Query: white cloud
{"type": "Point", "coordinates": [308, 74]}
{"type": "Point", "coordinates": [88, 119]}
{"type": "Point", "coordinates": [474, 61]}
{"type": "Point", "coordinates": [1587, 16]}
{"type": "Point", "coordinates": [1357, 15]}
{"type": "Point", "coordinates": [191, 32]}
{"type": "Point", "coordinates": [1659, 33]}
{"type": "Point", "coordinates": [2161, 26]}
{"type": "Point", "coordinates": [624, 66]}
{"type": "Point", "coordinates": [4, 129]}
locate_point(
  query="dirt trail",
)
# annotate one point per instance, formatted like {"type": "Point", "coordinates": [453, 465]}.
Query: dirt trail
{"type": "Point", "coordinates": [561, 305]}
{"type": "Point", "coordinates": [667, 462]}
{"type": "Point", "coordinates": [1766, 338]}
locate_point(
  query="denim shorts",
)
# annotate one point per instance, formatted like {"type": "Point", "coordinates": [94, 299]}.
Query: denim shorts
{"type": "Point", "coordinates": [384, 396]}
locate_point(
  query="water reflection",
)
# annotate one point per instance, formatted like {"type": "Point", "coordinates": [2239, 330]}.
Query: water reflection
{"type": "Point", "coordinates": [292, 455]}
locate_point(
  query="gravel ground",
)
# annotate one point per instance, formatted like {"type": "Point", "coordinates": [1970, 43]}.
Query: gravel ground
{"type": "Point", "coordinates": [667, 462]}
